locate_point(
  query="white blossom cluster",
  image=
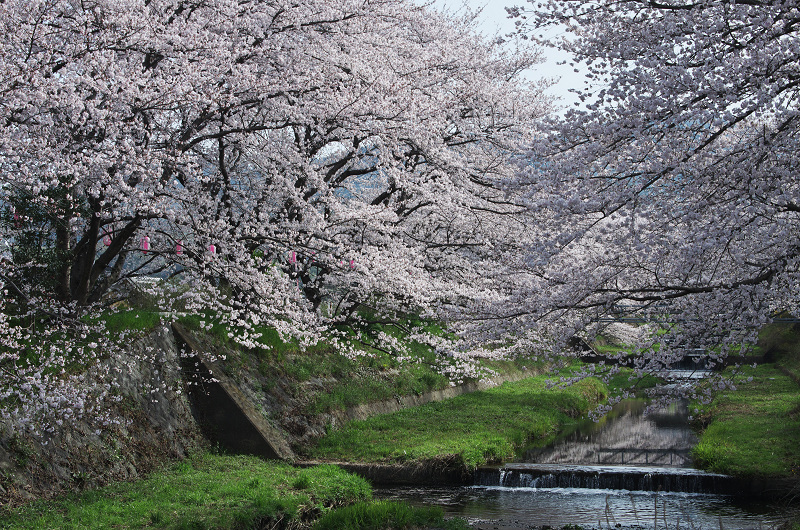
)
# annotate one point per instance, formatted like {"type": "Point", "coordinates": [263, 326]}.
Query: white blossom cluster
{"type": "Point", "coordinates": [292, 166]}
{"type": "Point", "coordinates": [336, 163]}
{"type": "Point", "coordinates": [625, 334]}
{"type": "Point", "coordinates": [671, 195]}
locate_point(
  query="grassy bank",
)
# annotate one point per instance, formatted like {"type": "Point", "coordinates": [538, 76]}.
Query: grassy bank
{"type": "Point", "coordinates": [210, 491]}
{"type": "Point", "coordinates": [754, 431]}
{"type": "Point", "coordinates": [225, 492]}
{"type": "Point", "coordinates": [475, 428]}
{"type": "Point", "coordinates": [321, 379]}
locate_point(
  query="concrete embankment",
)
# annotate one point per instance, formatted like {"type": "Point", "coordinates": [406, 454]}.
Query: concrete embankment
{"type": "Point", "coordinates": [153, 423]}
{"type": "Point", "coordinates": [175, 397]}
{"type": "Point", "coordinates": [435, 472]}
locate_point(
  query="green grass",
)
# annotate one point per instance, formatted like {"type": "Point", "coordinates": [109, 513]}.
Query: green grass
{"type": "Point", "coordinates": [210, 491]}
{"type": "Point", "coordinates": [132, 320]}
{"type": "Point", "coordinates": [348, 381]}
{"type": "Point", "coordinates": [386, 514]}
{"type": "Point", "coordinates": [754, 430]}
{"type": "Point", "coordinates": [625, 380]}
{"type": "Point", "coordinates": [349, 392]}
{"type": "Point", "coordinates": [476, 428]}
{"type": "Point", "coordinates": [611, 349]}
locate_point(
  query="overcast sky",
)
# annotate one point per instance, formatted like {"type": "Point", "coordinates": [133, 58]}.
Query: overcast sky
{"type": "Point", "coordinates": [493, 19]}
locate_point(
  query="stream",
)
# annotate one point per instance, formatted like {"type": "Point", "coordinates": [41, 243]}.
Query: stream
{"type": "Point", "coordinates": [631, 470]}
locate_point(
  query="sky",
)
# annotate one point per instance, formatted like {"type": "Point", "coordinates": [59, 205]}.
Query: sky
{"type": "Point", "coordinates": [493, 19]}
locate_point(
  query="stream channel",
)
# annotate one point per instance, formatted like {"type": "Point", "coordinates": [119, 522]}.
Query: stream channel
{"type": "Point", "coordinates": [631, 470]}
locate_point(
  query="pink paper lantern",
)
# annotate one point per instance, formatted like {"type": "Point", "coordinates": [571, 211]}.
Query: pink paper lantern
{"type": "Point", "coordinates": [145, 244]}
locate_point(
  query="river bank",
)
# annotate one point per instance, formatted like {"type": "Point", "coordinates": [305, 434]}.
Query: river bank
{"type": "Point", "coordinates": [447, 438]}
{"type": "Point", "coordinates": [158, 415]}
{"type": "Point", "coordinates": [209, 491]}
{"type": "Point", "coordinates": [299, 394]}
{"type": "Point", "coordinates": [217, 491]}
{"type": "Point", "coordinates": [753, 432]}
{"type": "Point", "coordinates": [469, 430]}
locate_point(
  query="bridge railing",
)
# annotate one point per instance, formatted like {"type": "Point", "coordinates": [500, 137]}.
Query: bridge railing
{"type": "Point", "coordinates": [633, 455]}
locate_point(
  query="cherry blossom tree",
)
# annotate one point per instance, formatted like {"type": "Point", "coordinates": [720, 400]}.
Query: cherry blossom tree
{"type": "Point", "coordinates": [289, 164]}
{"type": "Point", "coordinates": [672, 194]}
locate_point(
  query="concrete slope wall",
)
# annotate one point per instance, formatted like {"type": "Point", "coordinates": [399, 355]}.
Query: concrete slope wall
{"type": "Point", "coordinates": [226, 415]}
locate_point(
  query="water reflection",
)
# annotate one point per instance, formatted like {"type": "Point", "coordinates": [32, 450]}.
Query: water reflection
{"type": "Point", "coordinates": [524, 508]}
{"type": "Point", "coordinates": [625, 437]}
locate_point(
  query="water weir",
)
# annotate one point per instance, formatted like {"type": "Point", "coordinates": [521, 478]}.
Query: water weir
{"type": "Point", "coordinates": [663, 479]}
{"type": "Point", "coordinates": [629, 450]}
{"type": "Point", "coordinates": [631, 470]}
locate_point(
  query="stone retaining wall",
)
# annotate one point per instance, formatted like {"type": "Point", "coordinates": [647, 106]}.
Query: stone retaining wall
{"type": "Point", "coordinates": [156, 425]}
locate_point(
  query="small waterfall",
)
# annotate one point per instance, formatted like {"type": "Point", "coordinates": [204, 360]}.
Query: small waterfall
{"type": "Point", "coordinates": [545, 476]}
{"type": "Point", "coordinates": [630, 452]}
{"type": "Point", "coordinates": [662, 438]}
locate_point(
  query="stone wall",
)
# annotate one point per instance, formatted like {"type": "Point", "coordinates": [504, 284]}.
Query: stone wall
{"type": "Point", "coordinates": [174, 398]}
{"type": "Point", "coordinates": [156, 425]}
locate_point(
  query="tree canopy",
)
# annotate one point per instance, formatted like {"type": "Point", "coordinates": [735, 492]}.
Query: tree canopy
{"type": "Point", "coordinates": [292, 164]}
{"type": "Point", "coordinates": [672, 194]}
{"type": "Point", "coordinates": [314, 165]}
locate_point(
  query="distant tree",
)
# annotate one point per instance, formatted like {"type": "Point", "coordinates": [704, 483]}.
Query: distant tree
{"type": "Point", "coordinates": [672, 194]}
{"type": "Point", "coordinates": [291, 163]}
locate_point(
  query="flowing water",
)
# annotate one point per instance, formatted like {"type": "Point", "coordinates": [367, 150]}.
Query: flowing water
{"type": "Point", "coordinates": [626, 436]}
{"type": "Point", "coordinates": [632, 470]}
{"type": "Point", "coordinates": [503, 508]}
